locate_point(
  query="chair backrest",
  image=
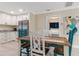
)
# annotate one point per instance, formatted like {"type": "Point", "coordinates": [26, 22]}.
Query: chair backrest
{"type": "Point", "coordinates": [37, 45]}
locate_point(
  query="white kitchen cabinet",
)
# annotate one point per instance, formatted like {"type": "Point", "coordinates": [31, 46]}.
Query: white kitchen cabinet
{"type": "Point", "coordinates": [12, 20]}
{"type": "Point", "coordinates": [2, 37]}
{"type": "Point", "coordinates": [7, 36]}
{"type": "Point", "coordinates": [2, 20]}
{"type": "Point", "coordinates": [8, 19]}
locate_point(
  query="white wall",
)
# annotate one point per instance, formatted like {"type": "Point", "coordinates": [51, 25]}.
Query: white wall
{"type": "Point", "coordinates": [32, 23]}
{"type": "Point", "coordinates": [42, 19]}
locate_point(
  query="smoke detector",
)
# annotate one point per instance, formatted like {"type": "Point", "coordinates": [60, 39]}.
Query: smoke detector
{"type": "Point", "coordinates": [68, 4]}
{"type": "Point", "coordinates": [48, 9]}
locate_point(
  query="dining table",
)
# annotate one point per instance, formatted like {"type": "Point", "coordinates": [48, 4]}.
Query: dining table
{"type": "Point", "coordinates": [53, 41]}
{"type": "Point", "coordinates": [57, 41]}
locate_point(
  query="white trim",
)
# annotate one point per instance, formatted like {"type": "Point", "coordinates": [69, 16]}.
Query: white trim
{"type": "Point", "coordinates": [58, 10]}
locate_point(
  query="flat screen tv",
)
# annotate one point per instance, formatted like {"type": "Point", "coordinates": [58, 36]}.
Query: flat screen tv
{"type": "Point", "coordinates": [54, 25]}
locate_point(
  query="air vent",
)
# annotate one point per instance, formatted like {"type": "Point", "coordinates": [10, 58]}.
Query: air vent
{"type": "Point", "coordinates": [68, 4]}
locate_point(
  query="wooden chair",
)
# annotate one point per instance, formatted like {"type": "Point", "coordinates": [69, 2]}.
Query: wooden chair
{"type": "Point", "coordinates": [37, 45]}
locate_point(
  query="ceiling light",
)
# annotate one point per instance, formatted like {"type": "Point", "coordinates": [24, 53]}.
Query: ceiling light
{"type": "Point", "coordinates": [12, 12]}
{"type": "Point", "coordinates": [20, 10]}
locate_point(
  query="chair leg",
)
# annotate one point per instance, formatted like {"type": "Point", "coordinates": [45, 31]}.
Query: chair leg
{"type": "Point", "coordinates": [55, 54]}
{"type": "Point", "coordinates": [28, 52]}
{"type": "Point", "coordinates": [20, 52]}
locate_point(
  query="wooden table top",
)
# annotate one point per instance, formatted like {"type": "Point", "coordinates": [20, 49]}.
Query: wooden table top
{"type": "Point", "coordinates": [57, 40]}
{"type": "Point", "coordinates": [51, 40]}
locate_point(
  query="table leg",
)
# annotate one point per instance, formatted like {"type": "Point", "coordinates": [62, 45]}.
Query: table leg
{"type": "Point", "coordinates": [66, 52]}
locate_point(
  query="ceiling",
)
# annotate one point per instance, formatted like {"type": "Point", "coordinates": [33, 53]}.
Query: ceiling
{"type": "Point", "coordinates": [34, 7]}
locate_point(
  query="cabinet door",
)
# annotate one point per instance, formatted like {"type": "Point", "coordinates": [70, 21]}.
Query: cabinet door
{"type": "Point", "coordinates": [8, 36]}
{"type": "Point", "coordinates": [2, 37]}
{"type": "Point", "coordinates": [2, 19]}
{"type": "Point", "coordinates": [14, 36]}
{"type": "Point", "coordinates": [13, 20]}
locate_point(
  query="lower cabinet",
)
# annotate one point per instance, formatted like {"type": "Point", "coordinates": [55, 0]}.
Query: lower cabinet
{"type": "Point", "coordinates": [7, 36]}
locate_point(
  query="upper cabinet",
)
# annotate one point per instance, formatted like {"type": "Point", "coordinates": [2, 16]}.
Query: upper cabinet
{"type": "Point", "coordinates": [7, 20]}
{"type": "Point", "coordinates": [11, 19]}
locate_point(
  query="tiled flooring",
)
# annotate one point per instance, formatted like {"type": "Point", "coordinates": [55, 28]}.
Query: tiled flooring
{"type": "Point", "coordinates": [12, 49]}
{"type": "Point", "coordinates": [9, 49]}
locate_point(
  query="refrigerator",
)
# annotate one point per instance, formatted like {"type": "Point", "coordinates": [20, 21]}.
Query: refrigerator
{"type": "Point", "coordinates": [23, 28]}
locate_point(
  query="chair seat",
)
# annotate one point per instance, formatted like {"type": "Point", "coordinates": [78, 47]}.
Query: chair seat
{"type": "Point", "coordinates": [25, 45]}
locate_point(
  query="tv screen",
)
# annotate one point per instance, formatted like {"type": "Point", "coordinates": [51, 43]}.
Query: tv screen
{"type": "Point", "coordinates": [54, 25]}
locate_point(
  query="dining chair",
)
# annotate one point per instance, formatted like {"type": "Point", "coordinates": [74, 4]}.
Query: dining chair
{"type": "Point", "coordinates": [59, 51]}
{"type": "Point", "coordinates": [24, 47]}
{"type": "Point", "coordinates": [37, 45]}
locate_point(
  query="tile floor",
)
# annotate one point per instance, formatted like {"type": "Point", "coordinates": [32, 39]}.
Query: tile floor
{"type": "Point", "coordinates": [12, 48]}
{"type": "Point", "coordinates": [9, 49]}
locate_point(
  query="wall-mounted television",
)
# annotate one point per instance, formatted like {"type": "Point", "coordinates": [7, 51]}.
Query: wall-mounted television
{"type": "Point", "coordinates": [54, 25]}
